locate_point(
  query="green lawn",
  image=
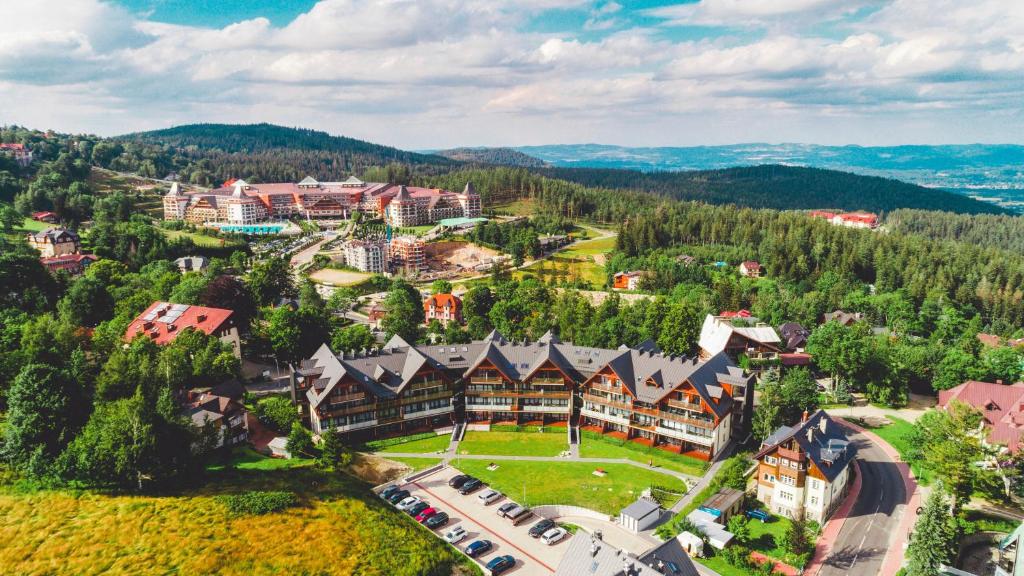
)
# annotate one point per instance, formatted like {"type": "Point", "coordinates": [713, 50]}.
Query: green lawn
{"type": "Point", "coordinates": [523, 207]}
{"type": "Point", "coordinates": [591, 247]}
{"type": "Point", "coordinates": [248, 459]}
{"type": "Point", "coordinates": [570, 483]}
{"type": "Point", "coordinates": [201, 240]}
{"type": "Point", "coordinates": [767, 538]}
{"type": "Point", "coordinates": [515, 443]}
{"type": "Point", "coordinates": [416, 464]}
{"type": "Point", "coordinates": [421, 446]}
{"type": "Point", "coordinates": [718, 564]}
{"type": "Point", "coordinates": [590, 448]}
{"type": "Point", "coordinates": [566, 268]}
{"type": "Point", "coordinates": [30, 225]}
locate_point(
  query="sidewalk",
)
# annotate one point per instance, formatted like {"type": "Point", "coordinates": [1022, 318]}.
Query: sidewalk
{"type": "Point", "coordinates": [834, 525]}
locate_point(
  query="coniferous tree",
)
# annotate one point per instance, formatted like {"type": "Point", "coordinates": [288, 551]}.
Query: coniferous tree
{"type": "Point", "coordinates": [933, 539]}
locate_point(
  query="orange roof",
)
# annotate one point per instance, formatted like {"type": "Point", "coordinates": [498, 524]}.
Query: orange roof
{"type": "Point", "coordinates": [163, 321]}
{"type": "Point", "coordinates": [442, 301]}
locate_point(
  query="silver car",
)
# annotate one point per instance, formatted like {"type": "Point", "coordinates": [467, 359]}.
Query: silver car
{"type": "Point", "coordinates": [489, 496]}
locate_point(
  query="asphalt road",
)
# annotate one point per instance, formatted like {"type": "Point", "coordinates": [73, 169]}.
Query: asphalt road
{"type": "Point", "coordinates": [864, 540]}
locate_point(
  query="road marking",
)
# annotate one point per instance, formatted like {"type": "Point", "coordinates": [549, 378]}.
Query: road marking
{"type": "Point", "coordinates": [484, 526]}
{"type": "Point", "coordinates": [860, 547]}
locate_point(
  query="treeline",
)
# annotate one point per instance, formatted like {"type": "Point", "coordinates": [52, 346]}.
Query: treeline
{"type": "Point", "coordinates": [496, 156]}
{"type": "Point", "coordinates": [520, 238]}
{"type": "Point", "coordinates": [779, 187]}
{"type": "Point", "coordinates": [999, 231]}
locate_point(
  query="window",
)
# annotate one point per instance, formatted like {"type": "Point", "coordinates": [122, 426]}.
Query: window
{"type": "Point", "coordinates": [813, 484]}
{"type": "Point", "coordinates": [788, 496]}
{"type": "Point", "coordinates": [814, 500]}
{"type": "Point", "coordinates": [771, 460]}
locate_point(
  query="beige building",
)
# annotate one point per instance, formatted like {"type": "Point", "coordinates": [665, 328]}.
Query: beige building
{"type": "Point", "coordinates": [54, 242]}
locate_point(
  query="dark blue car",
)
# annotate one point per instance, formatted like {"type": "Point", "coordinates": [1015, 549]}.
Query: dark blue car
{"type": "Point", "coordinates": [477, 548]}
{"type": "Point", "coordinates": [500, 564]}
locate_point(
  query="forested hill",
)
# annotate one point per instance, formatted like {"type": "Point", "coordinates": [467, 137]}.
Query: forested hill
{"type": "Point", "coordinates": [780, 187]}
{"type": "Point", "coordinates": [207, 154]}
{"type": "Point", "coordinates": [498, 156]}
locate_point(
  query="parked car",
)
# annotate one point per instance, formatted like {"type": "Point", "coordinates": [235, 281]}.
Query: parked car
{"type": "Point", "coordinates": [519, 515]}
{"type": "Point", "coordinates": [389, 491]}
{"type": "Point", "coordinates": [426, 513]}
{"type": "Point", "coordinates": [538, 529]}
{"type": "Point", "coordinates": [415, 509]}
{"type": "Point", "coordinates": [457, 481]}
{"type": "Point", "coordinates": [506, 508]}
{"type": "Point", "coordinates": [437, 520]}
{"type": "Point", "coordinates": [489, 496]}
{"type": "Point", "coordinates": [455, 535]}
{"type": "Point", "coordinates": [500, 564]}
{"type": "Point", "coordinates": [408, 502]}
{"type": "Point", "coordinates": [397, 497]}
{"type": "Point", "coordinates": [470, 486]}
{"type": "Point", "coordinates": [478, 548]}
{"type": "Point", "coordinates": [553, 536]}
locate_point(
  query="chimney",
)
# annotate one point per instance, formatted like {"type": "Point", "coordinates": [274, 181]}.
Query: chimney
{"type": "Point", "coordinates": [804, 418]}
{"type": "Point", "coordinates": [810, 434]}
{"type": "Point", "coordinates": [201, 318]}
{"type": "Point", "coordinates": [823, 425]}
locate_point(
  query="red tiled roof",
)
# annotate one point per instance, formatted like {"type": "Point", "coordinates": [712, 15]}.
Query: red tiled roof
{"type": "Point", "coordinates": [12, 146]}
{"type": "Point", "coordinates": [751, 264]}
{"type": "Point", "coordinates": [990, 340]}
{"type": "Point", "coordinates": [864, 217]}
{"type": "Point", "coordinates": [1002, 405]}
{"type": "Point", "coordinates": [795, 359]}
{"type": "Point", "coordinates": [153, 322]}
{"type": "Point", "coordinates": [38, 215]}
{"type": "Point", "coordinates": [822, 214]}
{"type": "Point", "coordinates": [735, 314]}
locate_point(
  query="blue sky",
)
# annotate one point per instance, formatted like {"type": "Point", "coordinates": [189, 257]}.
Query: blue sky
{"type": "Point", "coordinates": [438, 73]}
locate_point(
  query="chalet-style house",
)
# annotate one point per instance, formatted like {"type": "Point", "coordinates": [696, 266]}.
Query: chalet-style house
{"type": "Point", "coordinates": [238, 202]}
{"type": "Point", "coordinates": [73, 264]}
{"type": "Point", "coordinates": [163, 321]}
{"type": "Point", "coordinates": [678, 403]}
{"type": "Point", "coordinates": [1002, 406]}
{"type": "Point", "coordinates": [751, 269]}
{"type": "Point", "coordinates": [227, 415]}
{"type": "Point", "coordinates": [54, 242]}
{"type": "Point", "coordinates": [444, 308]}
{"type": "Point", "coordinates": [794, 336]}
{"type": "Point", "coordinates": [844, 318]}
{"type": "Point", "coordinates": [737, 336]}
{"type": "Point", "coordinates": [804, 470]}
{"type": "Point", "coordinates": [48, 217]}
{"type": "Point", "coordinates": [848, 219]}
{"type": "Point", "coordinates": [627, 280]}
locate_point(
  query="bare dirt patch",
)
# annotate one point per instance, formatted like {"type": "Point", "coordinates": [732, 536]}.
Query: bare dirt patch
{"type": "Point", "coordinates": [338, 277]}
{"type": "Point", "coordinates": [457, 255]}
{"type": "Point", "coordinates": [376, 470]}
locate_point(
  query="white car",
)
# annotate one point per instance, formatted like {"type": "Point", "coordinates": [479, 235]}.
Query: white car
{"type": "Point", "coordinates": [489, 496]}
{"type": "Point", "coordinates": [553, 536]}
{"type": "Point", "coordinates": [455, 535]}
{"type": "Point", "coordinates": [408, 502]}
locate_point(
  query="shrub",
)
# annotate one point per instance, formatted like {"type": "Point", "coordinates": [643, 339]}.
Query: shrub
{"type": "Point", "coordinates": [375, 445]}
{"type": "Point", "coordinates": [258, 502]}
{"type": "Point", "coordinates": [278, 413]}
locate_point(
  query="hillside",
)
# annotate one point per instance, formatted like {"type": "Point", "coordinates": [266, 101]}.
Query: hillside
{"type": "Point", "coordinates": [780, 187]}
{"type": "Point", "coordinates": [497, 156]}
{"type": "Point", "coordinates": [991, 171]}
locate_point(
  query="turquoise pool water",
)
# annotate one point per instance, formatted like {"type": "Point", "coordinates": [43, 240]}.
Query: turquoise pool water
{"type": "Point", "coordinates": [253, 229]}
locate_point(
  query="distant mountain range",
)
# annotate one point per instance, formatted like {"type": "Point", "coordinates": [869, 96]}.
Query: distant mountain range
{"type": "Point", "coordinates": [994, 173]}
{"type": "Point", "coordinates": [500, 156]}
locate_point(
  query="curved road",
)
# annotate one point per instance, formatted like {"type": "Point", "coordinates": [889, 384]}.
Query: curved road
{"type": "Point", "coordinates": [871, 526]}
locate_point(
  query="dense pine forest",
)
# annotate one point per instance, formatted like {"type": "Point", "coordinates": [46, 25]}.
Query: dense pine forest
{"type": "Point", "coordinates": [999, 231]}
{"type": "Point", "coordinates": [496, 156]}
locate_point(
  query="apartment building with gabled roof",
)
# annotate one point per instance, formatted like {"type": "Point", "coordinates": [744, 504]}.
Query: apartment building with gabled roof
{"type": "Point", "coordinates": [633, 393]}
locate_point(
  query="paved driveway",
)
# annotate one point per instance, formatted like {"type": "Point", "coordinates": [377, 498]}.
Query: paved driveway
{"type": "Point", "coordinates": [533, 558]}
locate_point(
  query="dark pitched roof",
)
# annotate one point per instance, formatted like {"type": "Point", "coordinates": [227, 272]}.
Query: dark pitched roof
{"type": "Point", "coordinates": [826, 446]}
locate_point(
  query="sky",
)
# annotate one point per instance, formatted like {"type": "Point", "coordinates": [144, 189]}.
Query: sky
{"type": "Point", "coordinates": [427, 74]}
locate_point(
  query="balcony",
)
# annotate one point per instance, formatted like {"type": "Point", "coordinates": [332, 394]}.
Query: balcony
{"type": "Point", "coordinates": [347, 397]}
{"type": "Point", "coordinates": [428, 412]}
{"type": "Point", "coordinates": [606, 417]}
{"type": "Point", "coordinates": [791, 455]}
{"type": "Point", "coordinates": [685, 405]}
{"type": "Point", "coordinates": [486, 380]}
{"type": "Point", "coordinates": [419, 385]}
{"type": "Point", "coordinates": [547, 381]}
{"type": "Point", "coordinates": [527, 393]}
{"type": "Point", "coordinates": [698, 422]}
{"type": "Point", "coordinates": [406, 399]}
{"type": "Point", "coordinates": [356, 426]}
{"type": "Point", "coordinates": [558, 409]}
{"type": "Point", "coordinates": [613, 388]}
{"type": "Point", "coordinates": [347, 410]}
{"type": "Point", "coordinates": [489, 407]}
{"type": "Point", "coordinates": [682, 435]}
{"type": "Point", "coordinates": [607, 401]}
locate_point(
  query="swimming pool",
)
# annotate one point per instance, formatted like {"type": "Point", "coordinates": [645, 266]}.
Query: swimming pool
{"type": "Point", "coordinates": [253, 229]}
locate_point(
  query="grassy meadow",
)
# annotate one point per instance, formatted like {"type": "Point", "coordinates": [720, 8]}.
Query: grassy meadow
{"type": "Point", "coordinates": [515, 443]}
{"type": "Point", "coordinates": [339, 527]}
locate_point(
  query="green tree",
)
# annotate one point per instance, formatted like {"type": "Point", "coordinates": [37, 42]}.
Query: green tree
{"type": "Point", "coordinates": [353, 337]}
{"type": "Point", "coordinates": [770, 407]}
{"type": "Point", "coordinates": [739, 528]}
{"type": "Point", "coordinates": [300, 442]}
{"type": "Point", "coordinates": [799, 392]}
{"type": "Point", "coordinates": [44, 410]}
{"type": "Point", "coordinates": [950, 444]}
{"type": "Point", "coordinates": [333, 455]}
{"type": "Point", "coordinates": [933, 538]}
{"type": "Point", "coordinates": [842, 351]}
{"type": "Point", "coordinates": [680, 328]}
{"type": "Point", "coordinates": [277, 412]}
{"type": "Point", "coordinates": [270, 280]}
{"type": "Point", "coordinates": [9, 218]}
{"type": "Point", "coordinates": [441, 287]}
{"type": "Point", "coordinates": [796, 539]}
{"type": "Point", "coordinates": [405, 312]}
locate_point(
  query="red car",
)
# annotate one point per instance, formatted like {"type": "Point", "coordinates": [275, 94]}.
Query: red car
{"type": "Point", "coordinates": [422, 516]}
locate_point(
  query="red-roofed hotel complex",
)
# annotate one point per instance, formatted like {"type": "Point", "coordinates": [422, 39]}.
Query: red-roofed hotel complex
{"type": "Point", "coordinates": [848, 219]}
{"type": "Point", "coordinates": [163, 321]}
{"type": "Point", "coordinates": [1002, 405]}
{"type": "Point", "coordinates": [241, 203]}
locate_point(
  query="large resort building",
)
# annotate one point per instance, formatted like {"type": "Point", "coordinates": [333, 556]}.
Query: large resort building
{"type": "Point", "coordinates": [679, 403]}
{"type": "Point", "coordinates": [241, 203]}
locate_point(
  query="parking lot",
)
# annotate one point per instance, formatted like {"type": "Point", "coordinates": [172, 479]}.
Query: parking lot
{"type": "Point", "coordinates": [533, 557]}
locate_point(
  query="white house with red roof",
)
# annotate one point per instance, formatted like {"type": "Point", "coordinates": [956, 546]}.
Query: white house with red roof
{"type": "Point", "coordinates": [444, 308]}
{"type": "Point", "coordinates": [163, 321]}
{"type": "Point", "coordinates": [1001, 404]}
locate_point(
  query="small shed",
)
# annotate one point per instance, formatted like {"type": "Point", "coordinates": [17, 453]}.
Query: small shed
{"type": "Point", "coordinates": [692, 544]}
{"type": "Point", "coordinates": [717, 535]}
{"type": "Point", "coordinates": [279, 447]}
{"type": "Point", "coordinates": [640, 515]}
